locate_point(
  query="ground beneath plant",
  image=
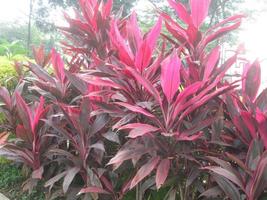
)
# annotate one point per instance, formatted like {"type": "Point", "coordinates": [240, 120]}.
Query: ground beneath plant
{"type": "Point", "coordinates": [11, 179]}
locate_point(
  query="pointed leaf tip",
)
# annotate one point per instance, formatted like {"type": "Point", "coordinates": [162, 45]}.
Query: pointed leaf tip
{"type": "Point", "coordinates": [170, 75]}
{"type": "Point", "coordinates": [144, 171]}
{"type": "Point", "coordinates": [58, 65]}
{"type": "Point", "coordinates": [199, 11]}
{"type": "Point", "coordinates": [162, 172]}
{"type": "Point", "coordinates": [251, 80]}
{"type": "Point", "coordinates": [212, 60]}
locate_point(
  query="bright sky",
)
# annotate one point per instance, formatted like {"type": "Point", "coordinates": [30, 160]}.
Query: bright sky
{"type": "Point", "coordinates": [11, 10]}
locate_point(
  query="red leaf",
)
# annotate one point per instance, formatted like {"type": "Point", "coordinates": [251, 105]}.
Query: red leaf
{"type": "Point", "coordinates": [250, 123]}
{"type": "Point", "coordinates": [181, 11]}
{"type": "Point", "coordinates": [40, 57]}
{"type": "Point", "coordinates": [24, 112]}
{"type": "Point", "coordinates": [71, 173]}
{"type": "Point", "coordinates": [107, 183]}
{"type": "Point", "coordinates": [184, 95]}
{"type": "Point", "coordinates": [242, 128]}
{"type": "Point", "coordinates": [124, 51]}
{"type": "Point", "coordinates": [213, 59]}
{"type": "Point", "coordinates": [145, 51]}
{"type": "Point", "coordinates": [251, 80]}
{"type": "Point", "coordinates": [261, 100]}
{"type": "Point", "coordinates": [38, 54]}
{"type": "Point", "coordinates": [170, 76]}
{"type": "Point", "coordinates": [101, 82]}
{"type": "Point", "coordinates": [41, 73]}
{"type": "Point", "coordinates": [135, 109]}
{"type": "Point", "coordinates": [143, 56]}
{"type": "Point", "coordinates": [220, 32]}
{"type": "Point", "coordinates": [153, 34]}
{"type": "Point", "coordinates": [146, 84]}
{"type": "Point", "coordinates": [231, 19]}
{"type": "Point", "coordinates": [185, 137]}
{"type": "Point", "coordinates": [176, 30]}
{"type": "Point", "coordinates": [199, 11]}
{"type": "Point", "coordinates": [107, 9]}
{"type": "Point", "coordinates": [259, 179]}
{"type": "Point", "coordinates": [139, 129]}
{"type": "Point", "coordinates": [193, 35]}
{"type": "Point", "coordinates": [3, 137]}
{"type": "Point", "coordinates": [93, 189]}
{"type": "Point", "coordinates": [39, 112]}
{"type": "Point", "coordinates": [162, 172]}
{"type": "Point", "coordinates": [204, 100]}
{"type": "Point", "coordinates": [227, 174]}
{"type": "Point", "coordinates": [58, 65]}
{"type": "Point", "coordinates": [38, 173]}
{"type": "Point", "coordinates": [144, 171]}
{"type": "Point", "coordinates": [23, 134]}
{"type": "Point", "coordinates": [127, 154]}
{"type": "Point", "coordinates": [134, 33]}
{"type": "Point", "coordinates": [262, 126]}
{"type": "Point", "coordinates": [5, 98]}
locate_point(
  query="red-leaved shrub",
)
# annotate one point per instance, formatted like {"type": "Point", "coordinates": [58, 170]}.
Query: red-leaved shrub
{"type": "Point", "coordinates": [133, 115]}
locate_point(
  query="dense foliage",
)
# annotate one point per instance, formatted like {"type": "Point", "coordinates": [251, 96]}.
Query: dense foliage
{"type": "Point", "coordinates": [148, 114]}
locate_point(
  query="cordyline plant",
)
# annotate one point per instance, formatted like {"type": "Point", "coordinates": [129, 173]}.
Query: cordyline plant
{"type": "Point", "coordinates": [136, 115]}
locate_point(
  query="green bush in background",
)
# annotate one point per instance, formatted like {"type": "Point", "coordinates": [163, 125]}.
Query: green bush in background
{"type": "Point", "coordinates": [7, 70]}
{"type": "Point", "coordinates": [8, 75]}
{"type": "Point", "coordinates": [10, 49]}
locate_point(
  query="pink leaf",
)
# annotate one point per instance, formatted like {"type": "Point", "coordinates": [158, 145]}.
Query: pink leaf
{"type": "Point", "coordinates": [261, 100]}
{"type": "Point", "coordinates": [186, 93]}
{"type": "Point", "coordinates": [139, 129]}
{"type": "Point", "coordinates": [3, 137]}
{"type": "Point", "coordinates": [259, 179]}
{"type": "Point", "coordinates": [146, 84]}
{"type": "Point", "coordinates": [135, 109]}
{"type": "Point", "coordinates": [23, 134]}
{"type": "Point", "coordinates": [38, 173]}
{"type": "Point", "coordinates": [134, 32]}
{"type": "Point", "coordinates": [199, 11]}
{"type": "Point", "coordinates": [170, 76]}
{"type": "Point", "coordinates": [251, 80]}
{"type": "Point", "coordinates": [107, 183]}
{"type": "Point", "coordinates": [5, 98]}
{"type": "Point", "coordinates": [262, 126]}
{"type": "Point", "coordinates": [222, 31]}
{"type": "Point", "coordinates": [227, 174]}
{"type": "Point", "coordinates": [213, 59]}
{"type": "Point", "coordinates": [38, 113]}
{"type": "Point", "coordinates": [24, 112]}
{"type": "Point", "coordinates": [107, 9]}
{"type": "Point", "coordinates": [58, 65]}
{"type": "Point", "coordinates": [204, 100]}
{"type": "Point", "coordinates": [143, 56]}
{"type": "Point", "coordinates": [153, 34]}
{"type": "Point", "coordinates": [232, 19]}
{"type": "Point", "coordinates": [124, 51]}
{"type": "Point", "coordinates": [250, 123]}
{"type": "Point", "coordinates": [101, 82]}
{"type": "Point", "coordinates": [181, 11]}
{"type": "Point", "coordinates": [162, 172]}
{"type": "Point", "coordinates": [185, 137]}
{"type": "Point", "coordinates": [145, 51]}
{"type": "Point", "coordinates": [175, 29]}
{"type": "Point", "coordinates": [127, 154]}
{"type": "Point", "coordinates": [93, 189]}
{"type": "Point", "coordinates": [71, 173]}
{"type": "Point", "coordinates": [144, 171]}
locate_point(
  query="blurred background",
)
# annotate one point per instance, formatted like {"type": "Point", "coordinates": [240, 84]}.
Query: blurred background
{"type": "Point", "coordinates": [24, 23]}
